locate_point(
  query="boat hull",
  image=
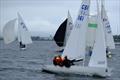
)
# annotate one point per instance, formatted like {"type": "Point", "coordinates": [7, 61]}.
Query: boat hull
{"type": "Point", "coordinates": [81, 70]}
{"type": "Point", "coordinates": [23, 48]}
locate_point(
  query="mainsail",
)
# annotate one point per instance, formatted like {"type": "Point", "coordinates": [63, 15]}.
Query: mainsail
{"type": "Point", "coordinates": [9, 31]}
{"type": "Point", "coordinates": [75, 47]}
{"type": "Point", "coordinates": [23, 33]}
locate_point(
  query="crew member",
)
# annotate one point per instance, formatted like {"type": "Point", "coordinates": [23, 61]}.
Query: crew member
{"type": "Point", "coordinates": [90, 51]}
{"type": "Point", "coordinates": [67, 63]}
{"type": "Point", "coordinates": [58, 61]}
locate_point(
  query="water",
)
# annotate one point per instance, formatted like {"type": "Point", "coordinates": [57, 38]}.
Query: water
{"type": "Point", "coordinates": [27, 65]}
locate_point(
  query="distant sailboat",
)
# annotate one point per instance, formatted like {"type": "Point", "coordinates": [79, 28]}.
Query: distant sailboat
{"type": "Point", "coordinates": [75, 48]}
{"type": "Point", "coordinates": [23, 33]}
{"type": "Point", "coordinates": [63, 32]}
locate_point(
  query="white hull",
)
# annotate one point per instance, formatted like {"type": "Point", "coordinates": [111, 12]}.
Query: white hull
{"type": "Point", "coordinates": [23, 48]}
{"type": "Point", "coordinates": [81, 70]}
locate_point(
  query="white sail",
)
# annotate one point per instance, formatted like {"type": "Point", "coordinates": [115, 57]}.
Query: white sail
{"type": "Point", "coordinates": [108, 32]}
{"type": "Point", "coordinates": [9, 31]}
{"type": "Point", "coordinates": [91, 30]}
{"type": "Point", "coordinates": [98, 57]}
{"type": "Point", "coordinates": [75, 47]}
{"type": "Point", "coordinates": [68, 28]}
{"type": "Point", "coordinates": [23, 33]}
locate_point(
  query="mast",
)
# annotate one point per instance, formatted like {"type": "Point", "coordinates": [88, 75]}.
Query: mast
{"type": "Point", "coordinates": [98, 11]}
{"type": "Point", "coordinates": [19, 31]}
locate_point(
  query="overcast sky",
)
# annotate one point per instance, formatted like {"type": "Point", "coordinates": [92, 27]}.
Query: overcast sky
{"type": "Point", "coordinates": [43, 17]}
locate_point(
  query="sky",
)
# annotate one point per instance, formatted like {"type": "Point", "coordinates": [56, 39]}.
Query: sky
{"type": "Point", "coordinates": [43, 17]}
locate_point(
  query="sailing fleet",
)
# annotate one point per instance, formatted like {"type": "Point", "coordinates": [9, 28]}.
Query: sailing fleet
{"type": "Point", "coordinates": [92, 31]}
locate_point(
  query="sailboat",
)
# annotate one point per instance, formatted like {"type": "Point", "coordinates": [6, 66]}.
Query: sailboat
{"type": "Point", "coordinates": [24, 36]}
{"type": "Point", "coordinates": [23, 33]}
{"type": "Point", "coordinates": [75, 48]}
{"type": "Point", "coordinates": [63, 32]}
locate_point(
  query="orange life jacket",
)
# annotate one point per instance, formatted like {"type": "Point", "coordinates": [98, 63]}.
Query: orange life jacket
{"type": "Point", "coordinates": [58, 60]}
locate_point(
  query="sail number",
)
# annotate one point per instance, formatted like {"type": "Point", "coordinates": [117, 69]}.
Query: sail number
{"type": "Point", "coordinates": [85, 7]}
{"type": "Point", "coordinates": [83, 12]}
{"type": "Point", "coordinates": [107, 25]}
{"type": "Point", "coordinates": [81, 18]}
{"type": "Point", "coordinates": [23, 25]}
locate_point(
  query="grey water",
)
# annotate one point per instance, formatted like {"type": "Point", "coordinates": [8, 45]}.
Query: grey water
{"type": "Point", "coordinates": [16, 64]}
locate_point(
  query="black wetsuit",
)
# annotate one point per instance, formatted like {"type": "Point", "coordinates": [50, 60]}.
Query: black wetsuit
{"type": "Point", "coordinates": [67, 63]}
